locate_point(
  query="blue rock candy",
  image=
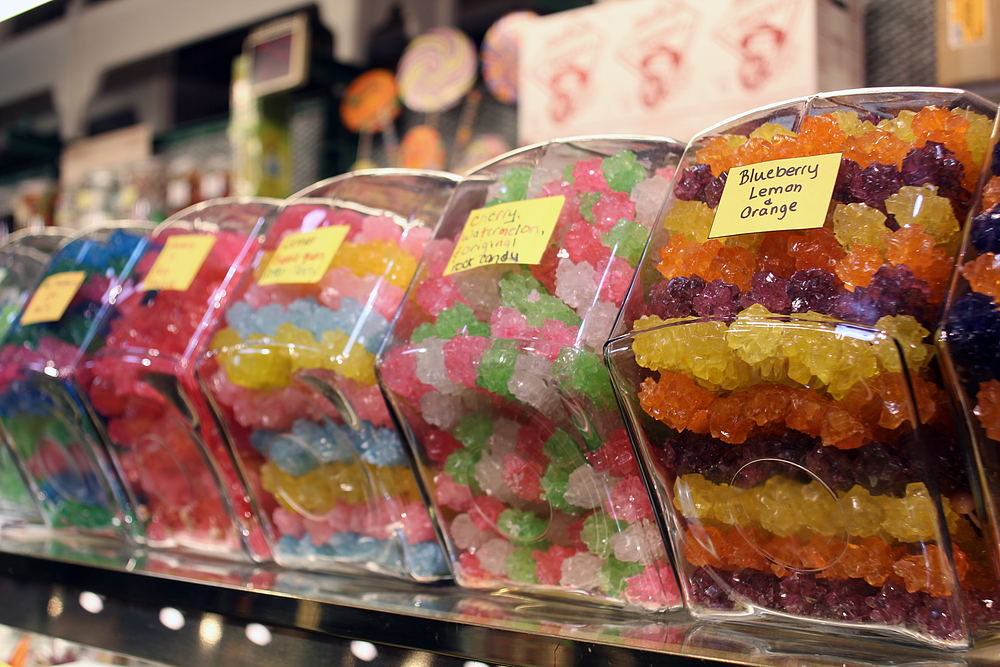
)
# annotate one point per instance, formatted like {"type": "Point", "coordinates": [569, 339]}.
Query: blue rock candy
{"type": "Point", "coordinates": [425, 559]}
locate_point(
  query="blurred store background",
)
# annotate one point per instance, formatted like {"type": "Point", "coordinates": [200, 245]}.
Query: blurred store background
{"type": "Point", "coordinates": [137, 108]}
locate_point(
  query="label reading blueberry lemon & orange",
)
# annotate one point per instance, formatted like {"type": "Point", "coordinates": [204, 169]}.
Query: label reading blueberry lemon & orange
{"type": "Point", "coordinates": [780, 195]}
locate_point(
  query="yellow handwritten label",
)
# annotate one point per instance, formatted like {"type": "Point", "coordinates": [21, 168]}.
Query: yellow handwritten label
{"type": "Point", "coordinates": [514, 233]}
{"type": "Point", "coordinates": [53, 297]}
{"type": "Point", "coordinates": [967, 23]}
{"type": "Point", "coordinates": [775, 196]}
{"type": "Point", "coordinates": [304, 258]}
{"type": "Point", "coordinates": [179, 262]}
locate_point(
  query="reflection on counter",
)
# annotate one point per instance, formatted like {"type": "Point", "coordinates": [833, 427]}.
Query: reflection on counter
{"type": "Point", "coordinates": [325, 599]}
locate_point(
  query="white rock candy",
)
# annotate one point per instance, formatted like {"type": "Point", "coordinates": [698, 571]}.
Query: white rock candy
{"type": "Point", "coordinates": [481, 288]}
{"type": "Point", "coordinates": [587, 487]}
{"type": "Point", "coordinates": [465, 535]}
{"type": "Point", "coordinates": [493, 555]}
{"type": "Point", "coordinates": [576, 284]}
{"type": "Point", "coordinates": [431, 369]}
{"type": "Point", "coordinates": [441, 410]}
{"type": "Point", "coordinates": [504, 438]}
{"type": "Point", "coordinates": [639, 543]}
{"type": "Point", "coordinates": [529, 382]}
{"type": "Point", "coordinates": [581, 571]}
{"type": "Point", "coordinates": [489, 474]}
{"type": "Point", "coordinates": [597, 323]}
{"type": "Point", "coordinates": [649, 196]}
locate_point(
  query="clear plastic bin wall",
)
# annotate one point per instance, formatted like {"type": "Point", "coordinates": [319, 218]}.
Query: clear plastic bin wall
{"type": "Point", "coordinates": [141, 382]}
{"type": "Point", "coordinates": [765, 390]}
{"type": "Point", "coordinates": [495, 374]}
{"type": "Point", "coordinates": [23, 258]}
{"type": "Point", "coordinates": [48, 429]}
{"type": "Point", "coordinates": [969, 340]}
{"type": "Point", "coordinates": [291, 372]}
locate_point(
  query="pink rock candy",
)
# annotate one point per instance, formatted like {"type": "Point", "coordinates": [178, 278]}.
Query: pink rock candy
{"type": "Point", "coordinates": [462, 357]}
{"type": "Point", "coordinates": [629, 501]}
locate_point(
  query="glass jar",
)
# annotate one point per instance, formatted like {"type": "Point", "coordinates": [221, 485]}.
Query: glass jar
{"type": "Point", "coordinates": [23, 258]}
{"type": "Point", "coordinates": [142, 387]}
{"type": "Point", "coordinates": [51, 434]}
{"type": "Point", "coordinates": [775, 362]}
{"type": "Point", "coordinates": [291, 372]}
{"type": "Point", "coordinates": [494, 369]}
{"type": "Point", "coordinates": [968, 342]}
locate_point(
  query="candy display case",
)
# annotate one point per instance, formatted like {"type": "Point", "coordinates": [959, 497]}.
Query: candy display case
{"type": "Point", "coordinates": [291, 372]}
{"type": "Point", "coordinates": [23, 258]}
{"type": "Point", "coordinates": [49, 432]}
{"type": "Point", "coordinates": [493, 369]}
{"type": "Point", "coordinates": [141, 384]}
{"type": "Point", "coordinates": [969, 343]}
{"type": "Point", "coordinates": [775, 363]}
{"type": "Point", "coordinates": [775, 354]}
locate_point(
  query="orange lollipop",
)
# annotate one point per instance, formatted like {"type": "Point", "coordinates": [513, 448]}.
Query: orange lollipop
{"type": "Point", "coordinates": [422, 148]}
{"type": "Point", "coordinates": [370, 102]}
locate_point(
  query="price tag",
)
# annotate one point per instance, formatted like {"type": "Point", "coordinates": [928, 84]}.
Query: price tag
{"type": "Point", "coordinates": [304, 258]}
{"type": "Point", "coordinates": [780, 195]}
{"type": "Point", "coordinates": [179, 262]}
{"type": "Point", "coordinates": [53, 297]}
{"type": "Point", "coordinates": [513, 233]}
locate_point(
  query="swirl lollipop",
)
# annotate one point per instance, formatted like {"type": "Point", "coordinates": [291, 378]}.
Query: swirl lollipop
{"type": "Point", "coordinates": [436, 71]}
{"type": "Point", "coordinates": [499, 54]}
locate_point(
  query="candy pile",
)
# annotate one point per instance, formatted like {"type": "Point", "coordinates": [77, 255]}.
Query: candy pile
{"type": "Point", "coordinates": [41, 404]}
{"type": "Point", "coordinates": [294, 370]}
{"type": "Point", "coordinates": [142, 385]}
{"type": "Point", "coordinates": [497, 371]}
{"type": "Point", "coordinates": [786, 435]}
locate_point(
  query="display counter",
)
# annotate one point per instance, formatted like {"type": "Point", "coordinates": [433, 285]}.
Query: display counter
{"type": "Point", "coordinates": [102, 594]}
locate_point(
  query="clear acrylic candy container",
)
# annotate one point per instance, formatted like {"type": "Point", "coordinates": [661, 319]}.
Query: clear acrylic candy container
{"type": "Point", "coordinates": [291, 371]}
{"type": "Point", "coordinates": [23, 258]}
{"type": "Point", "coordinates": [49, 431]}
{"type": "Point", "coordinates": [495, 373]}
{"type": "Point", "coordinates": [969, 343]}
{"type": "Point", "coordinates": [772, 370]}
{"type": "Point", "coordinates": [142, 387]}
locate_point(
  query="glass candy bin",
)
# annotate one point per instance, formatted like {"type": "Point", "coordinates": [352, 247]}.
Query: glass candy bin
{"type": "Point", "coordinates": [142, 387]}
{"type": "Point", "coordinates": [969, 342]}
{"type": "Point", "coordinates": [495, 371]}
{"type": "Point", "coordinates": [775, 363]}
{"type": "Point", "coordinates": [50, 434]}
{"type": "Point", "coordinates": [291, 370]}
{"type": "Point", "coordinates": [23, 258]}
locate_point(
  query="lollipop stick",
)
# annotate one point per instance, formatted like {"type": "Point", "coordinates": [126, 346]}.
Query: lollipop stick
{"type": "Point", "coordinates": [364, 147]}
{"type": "Point", "coordinates": [466, 121]}
{"type": "Point", "coordinates": [389, 137]}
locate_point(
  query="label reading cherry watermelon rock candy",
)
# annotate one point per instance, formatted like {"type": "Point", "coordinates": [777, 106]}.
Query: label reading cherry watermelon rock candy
{"type": "Point", "coordinates": [513, 233]}
{"type": "Point", "coordinates": [53, 297]}
{"type": "Point", "coordinates": [179, 262]}
{"type": "Point", "coordinates": [780, 195]}
{"type": "Point", "coordinates": [303, 258]}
